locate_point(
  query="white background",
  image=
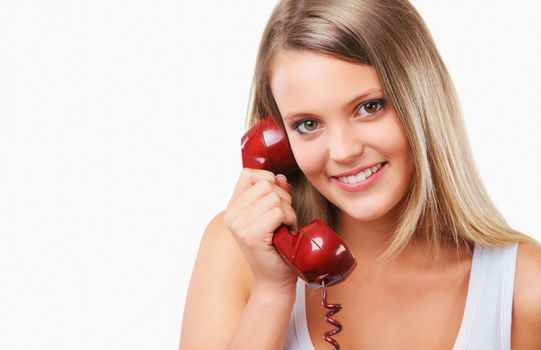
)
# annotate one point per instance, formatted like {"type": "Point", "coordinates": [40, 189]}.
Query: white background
{"type": "Point", "coordinates": [119, 140]}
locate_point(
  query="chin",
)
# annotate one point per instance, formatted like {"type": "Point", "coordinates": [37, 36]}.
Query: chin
{"type": "Point", "coordinates": [364, 215]}
{"type": "Point", "coordinates": [370, 210]}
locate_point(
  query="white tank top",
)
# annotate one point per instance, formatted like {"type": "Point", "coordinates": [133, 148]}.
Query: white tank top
{"type": "Point", "coordinates": [486, 323]}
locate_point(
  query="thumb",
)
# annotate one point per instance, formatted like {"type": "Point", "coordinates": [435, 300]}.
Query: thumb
{"type": "Point", "coordinates": [282, 182]}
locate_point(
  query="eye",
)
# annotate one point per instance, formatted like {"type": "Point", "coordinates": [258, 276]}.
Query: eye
{"type": "Point", "coordinates": [305, 126]}
{"type": "Point", "coordinates": [371, 107]}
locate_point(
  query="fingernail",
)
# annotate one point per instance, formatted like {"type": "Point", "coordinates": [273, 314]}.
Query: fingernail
{"type": "Point", "coordinates": [282, 176]}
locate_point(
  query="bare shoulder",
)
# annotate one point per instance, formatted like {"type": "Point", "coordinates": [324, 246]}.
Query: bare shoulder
{"type": "Point", "coordinates": [219, 252]}
{"type": "Point", "coordinates": [527, 298]}
{"type": "Point", "coordinates": [218, 292]}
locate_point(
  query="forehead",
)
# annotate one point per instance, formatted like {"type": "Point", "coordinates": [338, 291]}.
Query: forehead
{"type": "Point", "coordinates": [306, 81]}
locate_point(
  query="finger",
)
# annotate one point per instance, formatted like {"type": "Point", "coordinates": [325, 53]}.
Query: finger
{"type": "Point", "coordinates": [248, 177]}
{"type": "Point", "coordinates": [281, 180]}
{"type": "Point", "coordinates": [290, 219]}
{"type": "Point", "coordinates": [259, 190]}
{"type": "Point", "coordinates": [269, 221]}
{"type": "Point", "coordinates": [262, 205]}
{"type": "Point", "coordinates": [254, 213]}
{"type": "Point", "coordinates": [236, 214]}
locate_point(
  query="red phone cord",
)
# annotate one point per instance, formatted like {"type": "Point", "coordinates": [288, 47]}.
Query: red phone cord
{"type": "Point", "coordinates": [334, 308]}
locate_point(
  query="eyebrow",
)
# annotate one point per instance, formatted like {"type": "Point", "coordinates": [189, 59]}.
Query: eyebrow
{"type": "Point", "coordinates": [354, 100]}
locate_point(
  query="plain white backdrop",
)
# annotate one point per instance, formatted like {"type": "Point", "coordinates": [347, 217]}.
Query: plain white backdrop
{"type": "Point", "coordinates": [120, 124]}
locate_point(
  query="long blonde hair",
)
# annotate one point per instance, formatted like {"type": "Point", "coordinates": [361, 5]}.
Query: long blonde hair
{"type": "Point", "coordinates": [447, 201]}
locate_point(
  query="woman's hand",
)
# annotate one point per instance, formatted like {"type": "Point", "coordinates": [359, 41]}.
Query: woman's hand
{"type": "Point", "coordinates": [260, 203]}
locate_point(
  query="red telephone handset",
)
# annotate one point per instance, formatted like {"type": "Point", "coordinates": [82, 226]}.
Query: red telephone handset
{"type": "Point", "coordinates": [316, 252]}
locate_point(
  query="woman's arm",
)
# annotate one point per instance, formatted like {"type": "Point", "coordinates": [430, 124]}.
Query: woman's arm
{"type": "Point", "coordinates": [526, 325]}
{"type": "Point", "coordinates": [223, 309]}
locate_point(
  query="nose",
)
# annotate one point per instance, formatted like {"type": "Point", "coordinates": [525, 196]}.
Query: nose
{"type": "Point", "coordinates": [344, 144]}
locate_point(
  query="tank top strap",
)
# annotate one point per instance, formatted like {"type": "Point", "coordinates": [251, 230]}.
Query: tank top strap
{"type": "Point", "coordinates": [486, 323]}
{"type": "Point", "coordinates": [298, 336]}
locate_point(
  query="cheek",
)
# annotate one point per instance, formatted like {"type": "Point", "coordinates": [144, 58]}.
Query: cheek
{"type": "Point", "coordinates": [310, 157]}
{"type": "Point", "coordinates": [403, 161]}
{"type": "Point", "coordinates": [397, 142]}
{"type": "Point", "coordinates": [399, 150]}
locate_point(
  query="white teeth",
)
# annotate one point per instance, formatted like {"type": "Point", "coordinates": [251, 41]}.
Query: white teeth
{"type": "Point", "coordinates": [363, 175]}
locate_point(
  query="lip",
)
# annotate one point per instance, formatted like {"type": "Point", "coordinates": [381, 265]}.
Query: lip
{"type": "Point", "coordinates": [359, 186]}
{"type": "Point", "coordinates": [358, 170]}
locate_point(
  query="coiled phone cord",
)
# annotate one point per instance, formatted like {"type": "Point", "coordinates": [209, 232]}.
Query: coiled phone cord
{"type": "Point", "coordinates": [334, 308]}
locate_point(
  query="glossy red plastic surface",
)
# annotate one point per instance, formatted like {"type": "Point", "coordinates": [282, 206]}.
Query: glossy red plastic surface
{"type": "Point", "coordinates": [316, 252]}
{"type": "Point", "coordinates": [265, 146]}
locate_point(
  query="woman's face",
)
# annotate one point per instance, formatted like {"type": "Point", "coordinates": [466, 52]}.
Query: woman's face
{"type": "Point", "coordinates": [338, 123]}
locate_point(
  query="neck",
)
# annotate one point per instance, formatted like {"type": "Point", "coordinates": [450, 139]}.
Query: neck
{"type": "Point", "coordinates": [369, 239]}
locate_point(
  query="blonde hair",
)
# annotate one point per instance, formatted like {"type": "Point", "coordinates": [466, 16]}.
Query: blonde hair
{"type": "Point", "coordinates": [447, 201]}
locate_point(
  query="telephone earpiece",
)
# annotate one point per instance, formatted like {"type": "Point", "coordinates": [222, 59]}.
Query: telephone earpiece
{"type": "Point", "coordinates": [316, 252]}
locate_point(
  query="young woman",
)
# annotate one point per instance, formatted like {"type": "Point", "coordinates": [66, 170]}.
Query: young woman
{"type": "Point", "coordinates": [360, 88]}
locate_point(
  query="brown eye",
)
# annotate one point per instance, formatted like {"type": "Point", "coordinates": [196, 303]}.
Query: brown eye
{"type": "Point", "coordinates": [371, 107]}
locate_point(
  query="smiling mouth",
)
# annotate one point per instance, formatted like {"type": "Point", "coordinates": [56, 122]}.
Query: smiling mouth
{"type": "Point", "coordinates": [361, 176]}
